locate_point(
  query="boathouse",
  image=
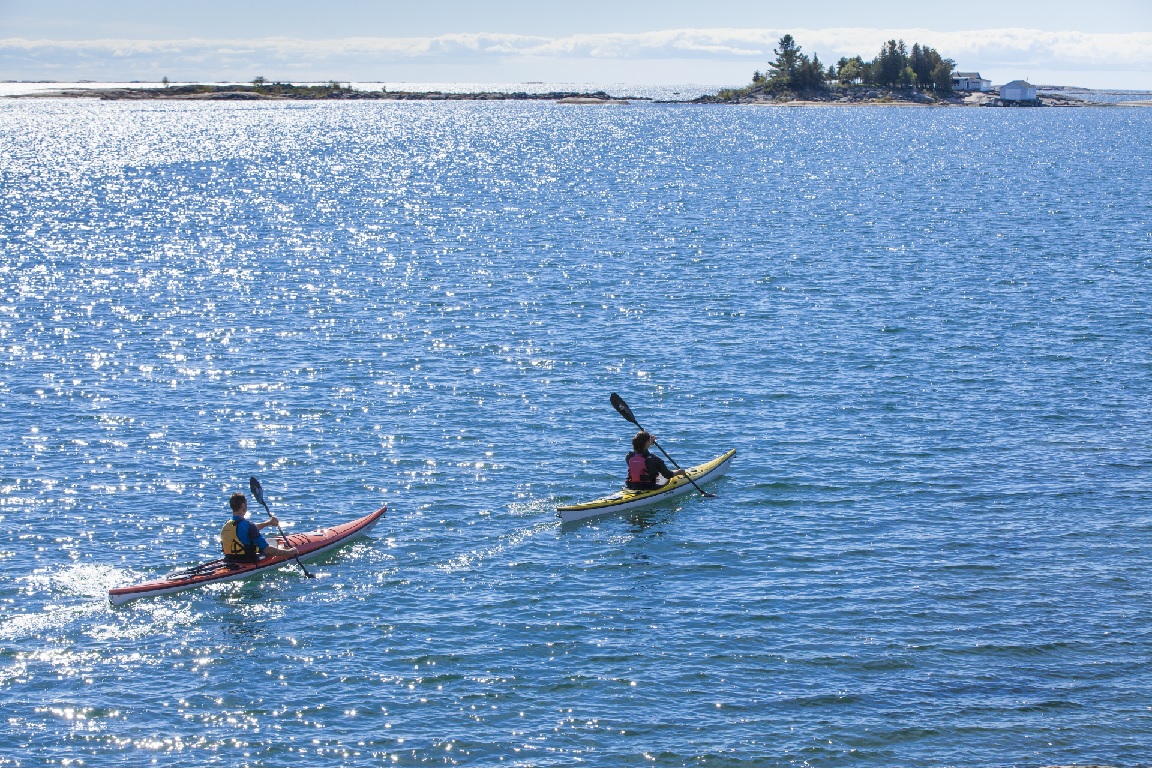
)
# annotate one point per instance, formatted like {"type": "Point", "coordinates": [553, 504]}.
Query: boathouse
{"type": "Point", "coordinates": [1018, 91]}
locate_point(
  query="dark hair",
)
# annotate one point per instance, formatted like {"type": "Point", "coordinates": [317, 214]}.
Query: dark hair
{"type": "Point", "coordinates": [640, 440]}
{"type": "Point", "coordinates": [237, 501]}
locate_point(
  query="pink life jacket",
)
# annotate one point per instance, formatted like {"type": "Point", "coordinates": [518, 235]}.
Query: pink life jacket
{"type": "Point", "coordinates": [638, 468]}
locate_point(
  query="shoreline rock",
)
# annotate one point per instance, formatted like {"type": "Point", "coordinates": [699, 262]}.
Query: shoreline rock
{"type": "Point", "coordinates": [589, 100]}
{"type": "Point", "coordinates": [835, 96]}
{"type": "Point", "coordinates": [281, 92]}
{"type": "Point", "coordinates": [874, 96]}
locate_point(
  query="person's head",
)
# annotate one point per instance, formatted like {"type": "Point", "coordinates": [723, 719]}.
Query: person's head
{"type": "Point", "coordinates": [239, 503]}
{"type": "Point", "coordinates": [642, 440]}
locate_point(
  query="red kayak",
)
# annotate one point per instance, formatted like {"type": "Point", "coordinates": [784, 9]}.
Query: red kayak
{"type": "Point", "coordinates": [310, 545]}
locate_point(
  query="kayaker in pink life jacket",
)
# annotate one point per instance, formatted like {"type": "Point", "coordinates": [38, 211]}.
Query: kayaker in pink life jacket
{"type": "Point", "coordinates": [241, 540]}
{"type": "Point", "coordinates": [644, 469]}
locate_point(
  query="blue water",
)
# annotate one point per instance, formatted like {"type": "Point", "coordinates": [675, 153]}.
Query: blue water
{"type": "Point", "coordinates": [926, 332]}
{"type": "Point", "coordinates": [1098, 96]}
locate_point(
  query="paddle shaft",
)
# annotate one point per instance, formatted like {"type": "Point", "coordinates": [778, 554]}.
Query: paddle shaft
{"type": "Point", "coordinates": [284, 537]}
{"type": "Point", "coordinates": [622, 407]}
{"type": "Point", "coordinates": [258, 492]}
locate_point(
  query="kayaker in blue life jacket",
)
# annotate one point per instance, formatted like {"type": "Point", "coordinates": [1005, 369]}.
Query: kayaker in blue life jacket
{"type": "Point", "coordinates": [241, 540]}
{"type": "Point", "coordinates": [644, 470]}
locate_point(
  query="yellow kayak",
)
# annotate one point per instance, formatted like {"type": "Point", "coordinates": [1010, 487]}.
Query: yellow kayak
{"type": "Point", "coordinates": [630, 499]}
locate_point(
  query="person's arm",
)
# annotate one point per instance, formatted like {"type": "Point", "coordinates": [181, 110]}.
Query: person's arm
{"type": "Point", "coordinates": [657, 464]}
{"type": "Point", "coordinates": [262, 543]}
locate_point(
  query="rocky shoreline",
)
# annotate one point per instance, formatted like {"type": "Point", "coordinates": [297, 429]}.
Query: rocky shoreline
{"type": "Point", "coordinates": [848, 96]}
{"type": "Point", "coordinates": [834, 96]}
{"type": "Point", "coordinates": [331, 92]}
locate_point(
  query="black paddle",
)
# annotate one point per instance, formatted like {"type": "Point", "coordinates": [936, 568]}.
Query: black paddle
{"type": "Point", "coordinates": [258, 492]}
{"type": "Point", "coordinates": [619, 404]}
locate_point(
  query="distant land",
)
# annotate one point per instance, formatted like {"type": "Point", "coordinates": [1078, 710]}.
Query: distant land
{"type": "Point", "coordinates": [832, 95]}
{"type": "Point", "coordinates": [860, 95]}
{"type": "Point", "coordinates": [332, 91]}
{"type": "Point", "coordinates": [898, 74]}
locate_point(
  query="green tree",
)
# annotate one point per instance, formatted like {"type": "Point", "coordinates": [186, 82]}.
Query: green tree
{"type": "Point", "coordinates": [931, 69]}
{"type": "Point", "coordinates": [811, 75]}
{"type": "Point", "coordinates": [850, 71]}
{"type": "Point", "coordinates": [921, 63]}
{"type": "Point", "coordinates": [782, 71]}
{"type": "Point", "coordinates": [793, 70]}
{"type": "Point", "coordinates": [891, 63]}
{"type": "Point", "coordinates": [942, 76]}
{"type": "Point", "coordinates": [894, 66]}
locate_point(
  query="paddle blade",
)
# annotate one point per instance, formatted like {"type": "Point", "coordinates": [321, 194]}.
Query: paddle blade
{"type": "Point", "coordinates": [619, 404]}
{"type": "Point", "coordinates": [258, 492]}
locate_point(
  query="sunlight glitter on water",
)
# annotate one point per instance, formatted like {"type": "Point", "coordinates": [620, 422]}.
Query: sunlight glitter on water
{"type": "Point", "coordinates": [931, 547]}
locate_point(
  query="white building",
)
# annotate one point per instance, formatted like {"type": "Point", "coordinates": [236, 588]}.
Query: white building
{"type": "Point", "coordinates": [970, 81]}
{"type": "Point", "coordinates": [1018, 90]}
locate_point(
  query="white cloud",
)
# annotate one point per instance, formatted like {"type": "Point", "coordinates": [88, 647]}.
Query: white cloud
{"type": "Point", "coordinates": [482, 56]}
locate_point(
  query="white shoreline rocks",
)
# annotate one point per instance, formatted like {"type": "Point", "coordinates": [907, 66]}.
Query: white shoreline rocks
{"type": "Point", "coordinates": [280, 92]}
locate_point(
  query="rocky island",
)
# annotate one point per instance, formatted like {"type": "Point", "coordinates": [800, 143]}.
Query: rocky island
{"type": "Point", "coordinates": [859, 95]}
{"type": "Point", "coordinates": [261, 90]}
{"type": "Point", "coordinates": [896, 76]}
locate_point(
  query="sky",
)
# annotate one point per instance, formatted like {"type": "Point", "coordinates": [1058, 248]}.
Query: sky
{"type": "Point", "coordinates": [1096, 44]}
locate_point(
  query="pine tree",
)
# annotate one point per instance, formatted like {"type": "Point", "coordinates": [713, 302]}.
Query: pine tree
{"type": "Point", "coordinates": [782, 72]}
{"type": "Point", "coordinates": [793, 70]}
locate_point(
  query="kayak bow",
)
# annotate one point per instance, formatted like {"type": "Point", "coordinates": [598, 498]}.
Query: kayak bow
{"type": "Point", "coordinates": [312, 544]}
{"type": "Point", "coordinates": [630, 499]}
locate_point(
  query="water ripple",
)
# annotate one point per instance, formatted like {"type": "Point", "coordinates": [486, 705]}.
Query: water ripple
{"type": "Point", "coordinates": [925, 331]}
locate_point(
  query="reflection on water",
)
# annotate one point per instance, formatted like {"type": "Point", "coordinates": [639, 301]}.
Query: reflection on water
{"type": "Point", "coordinates": [925, 331]}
